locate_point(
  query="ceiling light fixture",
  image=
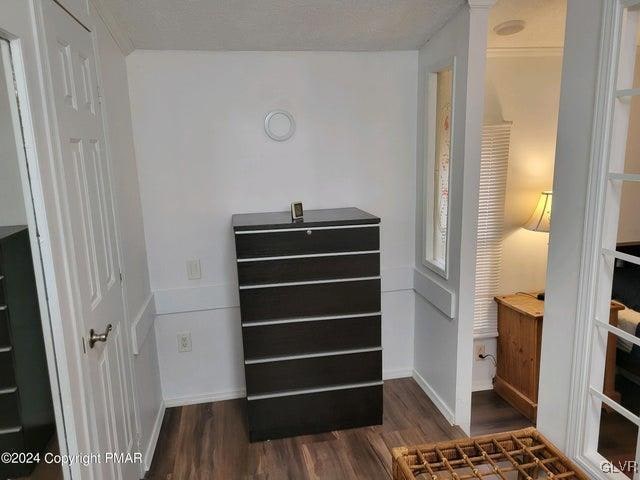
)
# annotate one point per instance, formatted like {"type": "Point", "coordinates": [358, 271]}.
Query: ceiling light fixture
{"type": "Point", "coordinates": [510, 27]}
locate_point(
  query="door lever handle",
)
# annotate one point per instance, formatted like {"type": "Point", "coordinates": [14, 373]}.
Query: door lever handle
{"type": "Point", "coordinates": [98, 337]}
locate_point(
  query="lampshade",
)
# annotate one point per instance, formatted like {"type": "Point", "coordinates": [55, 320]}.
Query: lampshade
{"type": "Point", "coordinates": [541, 217]}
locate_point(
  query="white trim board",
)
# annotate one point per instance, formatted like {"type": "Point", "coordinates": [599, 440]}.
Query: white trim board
{"type": "Point", "coordinates": [511, 52]}
{"type": "Point", "coordinates": [204, 398]}
{"type": "Point", "coordinates": [153, 438]}
{"type": "Point", "coordinates": [209, 397]}
{"type": "Point", "coordinates": [435, 398]}
{"type": "Point", "coordinates": [482, 386]}
{"type": "Point", "coordinates": [434, 293]}
{"type": "Point", "coordinates": [142, 324]}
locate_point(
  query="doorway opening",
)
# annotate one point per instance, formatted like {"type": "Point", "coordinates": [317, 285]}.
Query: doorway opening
{"type": "Point", "coordinates": [28, 430]}
{"type": "Point", "coordinates": [522, 98]}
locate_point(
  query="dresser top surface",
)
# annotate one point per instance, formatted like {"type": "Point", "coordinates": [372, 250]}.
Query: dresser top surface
{"type": "Point", "coordinates": [312, 218]}
{"type": "Point", "coordinates": [11, 230]}
{"type": "Point", "coordinates": [524, 303]}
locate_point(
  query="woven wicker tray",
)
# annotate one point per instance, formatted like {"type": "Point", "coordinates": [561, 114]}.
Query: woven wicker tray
{"type": "Point", "coordinates": [518, 455]}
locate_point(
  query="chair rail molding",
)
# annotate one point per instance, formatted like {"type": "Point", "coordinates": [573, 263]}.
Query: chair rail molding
{"type": "Point", "coordinates": [213, 297]}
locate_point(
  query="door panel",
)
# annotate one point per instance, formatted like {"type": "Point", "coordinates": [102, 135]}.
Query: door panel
{"type": "Point", "coordinates": [88, 212]}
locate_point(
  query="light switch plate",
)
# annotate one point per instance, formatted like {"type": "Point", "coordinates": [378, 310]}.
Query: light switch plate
{"type": "Point", "coordinates": [184, 342]}
{"type": "Point", "coordinates": [193, 270]}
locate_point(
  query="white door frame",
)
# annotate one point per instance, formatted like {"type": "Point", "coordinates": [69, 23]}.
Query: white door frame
{"type": "Point", "coordinates": [16, 26]}
{"type": "Point", "coordinates": [595, 226]}
{"type": "Point", "coordinates": [22, 24]}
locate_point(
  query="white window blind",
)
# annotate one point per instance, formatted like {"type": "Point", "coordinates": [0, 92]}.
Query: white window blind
{"type": "Point", "coordinates": [493, 181]}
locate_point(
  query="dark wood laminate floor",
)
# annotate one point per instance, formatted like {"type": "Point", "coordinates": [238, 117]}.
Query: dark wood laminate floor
{"type": "Point", "coordinates": [209, 441]}
{"type": "Point", "coordinates": [491, 414]}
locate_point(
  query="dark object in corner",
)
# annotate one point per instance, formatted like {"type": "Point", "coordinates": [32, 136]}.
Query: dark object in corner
{"type": "Point", "coordinates": [540, 296]}
{"type": "Point", "coordinates": [26, 410]}
{"type": "Point", "coordinates": [626, 279]}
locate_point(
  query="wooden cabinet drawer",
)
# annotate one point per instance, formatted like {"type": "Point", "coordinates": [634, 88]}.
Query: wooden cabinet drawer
{"type": "Point", "coordinates": [321, 299]}
{"type": "Point", "coordinates": [308, 269]}
{"type": "Point", "coordinates": [7, 376]}
{"type": "Point", "coordinates": [306, 242]}
{"type": "Point", "coordinates": [314, 412]}
{"type": "Point", "coordinates": [311, 336]}
{"type": "Point", "coordinates": [303, 373]}
{"type": "Point", "coordinates": [9, 411]}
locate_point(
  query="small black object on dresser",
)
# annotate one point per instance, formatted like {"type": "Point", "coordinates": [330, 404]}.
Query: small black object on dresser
{"type": "Point", "coordinates": [311, 320]}
{"type": "Point", "coordinates": [26, 410]}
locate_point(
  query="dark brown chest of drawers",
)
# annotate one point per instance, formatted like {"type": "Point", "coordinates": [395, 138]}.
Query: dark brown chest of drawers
{"type": "Point", "coordinates": [26, 410]}
{"type": "Point", "coordinates": [311, 320]}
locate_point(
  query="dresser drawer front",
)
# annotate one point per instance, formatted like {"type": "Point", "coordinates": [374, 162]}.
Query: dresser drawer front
{"type": "Point", "coordinates": [314, 300]}
{"type": "Point", "coordinates": [12, 441]}
{"type": "Point", "coordinates": [9, 411]}
{"type": "Point", "coordinates": [5, 337]}
{"type": "Point", "coordinates": [314, 412]}
{"type": "Point", "coordinates": [311, 336]}
{"type": "Point", "coordinates": [3, 300]}
{"type": "Point", "coordinates": [7, 377]}
{"type": "Point", "coordinates": [304, 373]}
{"type": "Point", "coordinates": [308, 269]}
{"type": "Point", "coordinates": [307, 242]}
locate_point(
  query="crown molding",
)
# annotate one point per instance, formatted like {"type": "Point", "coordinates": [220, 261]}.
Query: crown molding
{"type": "Point", "coordinates": [507, 52]}
{"type": "Point", "coordinates": [116, 29]}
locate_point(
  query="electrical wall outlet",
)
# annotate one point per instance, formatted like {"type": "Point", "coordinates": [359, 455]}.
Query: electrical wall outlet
{"type": "Point", "coordinates": [193, 269]}
{"type": "Point", "coordinates": [481, 351]}
{"type": "Point", "coordinates": [184, 342]}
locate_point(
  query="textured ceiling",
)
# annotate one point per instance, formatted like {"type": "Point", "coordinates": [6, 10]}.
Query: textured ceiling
{"type": "Point", "coordinates": [281, 24]}
{"type": "Point", "coordinates": [544, 19]}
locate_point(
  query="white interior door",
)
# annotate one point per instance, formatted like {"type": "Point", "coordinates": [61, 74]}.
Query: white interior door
{"type": "Point", "coordinates": [88, 211]}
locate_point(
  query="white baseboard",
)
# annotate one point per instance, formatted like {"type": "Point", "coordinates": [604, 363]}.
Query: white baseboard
{"type": "Point", "coordinates": [153, 440]}
{"type": "Point", "coordinates": [241, 393]}
{"type": "Point", "coordinates": [435, 398]}
{"type": "Point", "coordinates": [203, 398]}
{"type": "Point", "coordinates": [481, 386]}
{"type": "Point", "coordinates": [397, 373]}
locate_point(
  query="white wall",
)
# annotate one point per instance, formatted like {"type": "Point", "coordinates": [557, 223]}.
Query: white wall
{"type": "Point", "coordinates": [443, 340]}
{"type": "Point", "coordinates": [139, 302]}
{"type": "Point", "coordinates": [12, 209]}
{"type": "Point", "coordinates": [525, 91]}
{"type": "Point", "coordinates": [629, 226]}
{"type": "Point", "coordinates": [203, 155]}
{"type": "Point", "coordinates": [575, 122]}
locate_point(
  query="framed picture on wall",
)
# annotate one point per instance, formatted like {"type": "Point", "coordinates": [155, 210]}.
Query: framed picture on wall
{"type": "Point", "coordinates": [439, 123]}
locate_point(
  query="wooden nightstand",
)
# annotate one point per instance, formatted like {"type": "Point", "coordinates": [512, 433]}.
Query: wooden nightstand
{"type": "Point", "coordinates": [520, 319]}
